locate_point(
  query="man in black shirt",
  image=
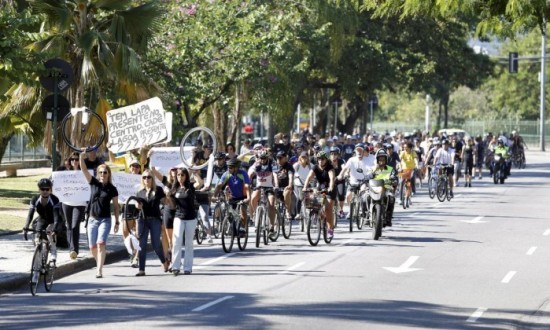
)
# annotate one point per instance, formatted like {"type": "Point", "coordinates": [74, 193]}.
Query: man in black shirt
{"type": "Point", "coordinates": [48, 208]}
{"type": "Point", "coordinates": [285, 179]}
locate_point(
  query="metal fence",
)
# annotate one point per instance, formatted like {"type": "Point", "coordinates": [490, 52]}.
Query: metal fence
{"type": "Point", "coordinates": [529, 130]}
{"type": "Point", "coordinates": [17, 150]}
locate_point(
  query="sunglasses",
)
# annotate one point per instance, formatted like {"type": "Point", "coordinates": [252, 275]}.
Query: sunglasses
{"type": "Point", "coordinates": [102, 172]}
{"type": "Point", "coordinates": [74, 159]}
{"type": "Point", "coordinates": [146, 177]}
{"type": "Point", "coordinates": [45, 189]}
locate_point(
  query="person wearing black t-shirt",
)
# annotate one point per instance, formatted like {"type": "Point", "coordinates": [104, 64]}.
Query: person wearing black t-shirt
{"type": "Point", "coordinates": [102, 193]}
{"type": "Point", "coordinates": [149, 221]}
{"type": "Point", "coordinates": [285, 179]}
{"type": "Point", "coordinates": [324, 173]}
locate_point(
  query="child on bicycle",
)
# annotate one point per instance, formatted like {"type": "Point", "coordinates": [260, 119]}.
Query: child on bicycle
{"type": "Point", "coordinates": [48, 208]}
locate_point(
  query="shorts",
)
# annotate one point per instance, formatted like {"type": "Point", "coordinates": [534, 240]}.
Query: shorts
{"type": "Point", "coordinates": [168, 217]}
{"type": "Point", "coordinates": [98, 231]}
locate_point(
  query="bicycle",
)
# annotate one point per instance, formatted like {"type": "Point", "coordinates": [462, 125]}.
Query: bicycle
{"type": "Point", "coordinates": [317, 222]}
{"type": "Point", "coordinates": [284, 222]}
{"type": "Point", "coordinates": [201, 231]}
{"type": "Point", "coordinates": [40, 265]}
{"type": "Point", "coordinates": [231, 226]}
{"type": "Point", "coordinates": [355, 215]}
{"type": "Point", "coordinates": [81, 128]}
{"type": "Point", "coordinates": [217, 214]}
{"type": "Point", "coordinates": [261, 218]}
{"type": "Point", "coordinates": [405, 187]}
{"type": "Point", "coordinates": [442, 183]}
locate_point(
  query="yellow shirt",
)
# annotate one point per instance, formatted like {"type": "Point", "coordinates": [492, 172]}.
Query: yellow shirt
{"type": "Point", "coordinates": [407, 160]}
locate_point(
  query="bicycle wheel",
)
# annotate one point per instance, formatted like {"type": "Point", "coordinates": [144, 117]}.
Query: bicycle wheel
{"type": "Point", "coordinates": [216, 220]}
{"type": "Point", "coordinates": [242, 241]}
{"type": "Point", "coordinates": [441, 189]}
{"type": "Point", "coordinates": [199, 231]}
{"type": "Point", "coordinates": [325, 232]}
{"type": "Point", "coordinates": [228, 234]}
{"type": "Point", "coordinates": [432, 187]}
{"type": "Point", "coordinates": [402, 193]}
{"type": "Point", "coordinates": [83, 129]}
{"type": "Point", "coordinates": [448, 192]}
{"type": "Point", "coordinates": [35, 269]}
{"type": "Point", "coordinates": [359, 218]}
{"type": "Point", "coordinates": [377, 222]}
{"type": "Point", "coordinates": [313, 229]}
{"type": "Point", "coordinates": [258, 218]}
{"type": "Point", "coordinates": [49, 275]}
{"type": "Point", "coordinates": [352, 213]}
{"type": "Point", "coordinates": [274, 235]}
{"type": "Point", "coordinates": [287, 227]}
{"type": "Point", "coordinates": [265, 228]}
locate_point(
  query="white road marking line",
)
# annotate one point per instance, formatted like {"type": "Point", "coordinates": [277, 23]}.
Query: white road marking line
{"type": "Point", "coordinates": [346, 241]}
{"type": "Point", "coordinates": [292, 268]}
{"type": "Point", "coordinates": [508, 277]}
{"type": "Point", "coordinates": [475, 220]}
{"type": "Point", "coordinates": [531, 250]}
{"type": "Point", "coordinates": [547, 232]}
{"type": "Point", "coordinates": [404, 268]}
{"type": "Point", "coordinates": [476, 315]}
{"type": "Point", "coordinates": [210, 304]}
{"type": "Point", "coordinates": [210, 262]}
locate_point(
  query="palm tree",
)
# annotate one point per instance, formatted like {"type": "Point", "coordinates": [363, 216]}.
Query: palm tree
{"type": "Point", "coordinates": [104, 41]}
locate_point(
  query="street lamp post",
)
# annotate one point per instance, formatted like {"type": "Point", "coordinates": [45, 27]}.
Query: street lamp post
{"type": "Point", "coordinates": [427, 119]}
{"type": "Point", "coordinates": [373, 101]}
{"type": "Point", "coordinates": [542, 82]}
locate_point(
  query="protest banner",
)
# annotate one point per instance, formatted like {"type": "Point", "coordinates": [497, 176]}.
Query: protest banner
{"type": "Point", "coordinates": [136, 125]}
{"type": "Point", "coordinates": [70, 186]}
{"type": "Point", "coordinates": [127, 185]}
{"type": "Point", "coordinates": [165, 158]}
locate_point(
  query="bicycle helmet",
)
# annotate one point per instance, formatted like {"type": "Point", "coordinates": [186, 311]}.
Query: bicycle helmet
{"type": "Point", "coordinates": [281, 154]}
{"type": "Point", "coordinates": [500, 141]}
{"type": "Point", "coordinates": [321, 155]}
{"type": "Point", "coordinates": [44, 183]}
{"type": "Point", "coordinates": [234, 162]}
{"type": "Point", "coordinates": [388, 146]}
{"type": "Point", "coordinates": [316, 148]}
{"type": "Point", "coordinates": [359, 146]}
{"type": "Point", "coordinates": [335, 150]}
{"type": "Point", "coordinates": [219, 155]}
{"type": "Point", "coordinates": [263, 155]}
{"type": "Point", "coordinates": [381, 153]}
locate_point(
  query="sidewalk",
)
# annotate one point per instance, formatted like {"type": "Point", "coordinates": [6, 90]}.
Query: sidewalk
{"type": "Point", "coordinates": [16, 257]}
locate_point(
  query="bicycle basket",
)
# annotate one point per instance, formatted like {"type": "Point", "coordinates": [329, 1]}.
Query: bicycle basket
{"type": "Point", "coordinates": [311, 201]}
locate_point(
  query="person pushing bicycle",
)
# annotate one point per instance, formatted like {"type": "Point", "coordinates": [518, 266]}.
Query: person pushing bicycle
{"type": "Point", "coordinates": [48, 207]}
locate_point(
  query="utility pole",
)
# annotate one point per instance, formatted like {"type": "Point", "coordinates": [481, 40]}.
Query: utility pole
{"type": "Point", "coordinates": [542, 83]}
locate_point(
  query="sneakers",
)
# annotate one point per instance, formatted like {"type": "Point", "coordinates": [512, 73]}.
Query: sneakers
{"type": "Point", "coordinates": [209, 239]}
{"type": "Point", "coordinates": [451, 193]}
{"type": "Point", "coordinates": [134, 261]}
{"type": "Point", "coordinates": [330, 233]}
{"type": "Point", "coordinates": [341, 214]}
{"type": "Point", "coordinates": [242, 233]}
{"type": "Point", "coordinates": [140, 273]}
{"type": "Point", "coordinates": [73, 255]}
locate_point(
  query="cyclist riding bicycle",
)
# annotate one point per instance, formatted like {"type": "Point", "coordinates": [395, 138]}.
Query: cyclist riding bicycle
{"type": "Point", "coordinates": [324, 173]}
{"type": "Point", "coordinates": [409, 162]}
{"type": "Point", "coordinates": [443, 158]}
{"type": "Point", "coordinates": [285, 179]}
{"type": "Point", "coordinates": [265, 178]}
{"type": "Point", "coordinates": [382, 171]}
{"type": "Point", "coordinates": [352, 165]}
{"type": "Point", "coordinates": [48, 207]}
{"type": "Point", "coordinates": [502, 149]}
{"type": "Point", "coordinates": [239, 187]}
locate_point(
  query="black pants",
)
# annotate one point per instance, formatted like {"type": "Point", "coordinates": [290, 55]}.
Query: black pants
{"type": "Point", "coordinates": [73, 216]}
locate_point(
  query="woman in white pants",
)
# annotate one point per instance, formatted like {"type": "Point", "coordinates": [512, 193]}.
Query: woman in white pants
{"type": "Point", "coordinates": [185, 221]}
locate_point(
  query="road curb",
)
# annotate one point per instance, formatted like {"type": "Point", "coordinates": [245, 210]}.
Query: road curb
{"type": "Point", "coordinates": [64, 269]}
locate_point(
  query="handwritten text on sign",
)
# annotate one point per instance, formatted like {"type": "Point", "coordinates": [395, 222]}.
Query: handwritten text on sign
{"type": "Point", "coordinates": [70, 186]}
{"type": "Point", "coordinates": [136, 125]}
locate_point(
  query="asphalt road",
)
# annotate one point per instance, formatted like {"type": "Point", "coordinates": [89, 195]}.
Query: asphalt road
{"type": "Point", "coordinates": [477, 262]}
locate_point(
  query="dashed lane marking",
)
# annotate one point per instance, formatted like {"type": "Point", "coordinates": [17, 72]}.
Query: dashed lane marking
{"type": "Point", "coordinates": [212, 303]}
{"type": "Point", "coordinates": [288, 270]}
{"type": "Point", "coordinates": [508, 277]}
{"type": "Point", "coordinates": [476, 315]}
{"type": "Point", "coordinates": [546, 232]}
{"type": "Point", "coordinates": [531, 250]}
{"type": "Point", "coordinates": [210, 262]}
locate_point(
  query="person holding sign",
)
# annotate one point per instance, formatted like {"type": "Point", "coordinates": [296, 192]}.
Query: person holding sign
{"type": "Point", "coordinates": [99, 208]}
{"type": "Point", "coordinates": [73, 212]}
{"type": "Point", "coordinates": [149, 221]}
{"type": "Point", "coordinates": [185, 222]}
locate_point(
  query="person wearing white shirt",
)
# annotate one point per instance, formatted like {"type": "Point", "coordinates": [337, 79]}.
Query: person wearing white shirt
{"type": "Point", "coordinates": [443, 157]}
{"type": "Point", "coordinates": [352, 165]}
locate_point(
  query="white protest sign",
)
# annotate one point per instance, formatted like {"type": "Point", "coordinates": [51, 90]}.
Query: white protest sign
{"type": "Point", "coordinates": [136, 125]}
{"type": "Point", "coordinates": [70, 186]}
{"type": "Point", "coordinates": [127, 185]}
{"type": "Point", "coordinates": [165, 158]}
